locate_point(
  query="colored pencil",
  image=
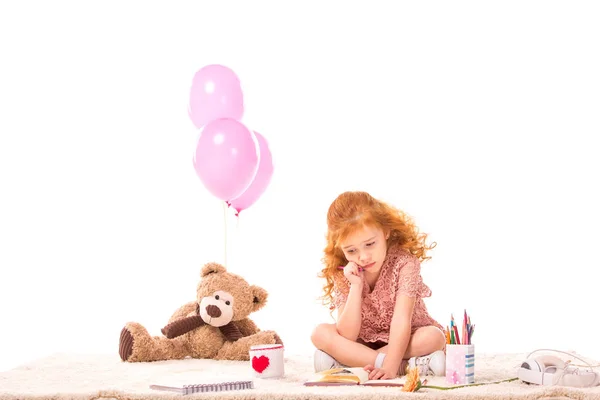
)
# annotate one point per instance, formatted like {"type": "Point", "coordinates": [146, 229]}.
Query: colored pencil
{"type": "Point", "coordinates": [456, 335]}
{"type": "Point", "coordinates": [465, 335]}
{"type": "Point", "coordinates": [466, 331]}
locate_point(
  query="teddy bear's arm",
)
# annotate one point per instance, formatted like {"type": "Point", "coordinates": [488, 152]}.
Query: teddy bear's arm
{"type": "Point", "coordinates": [181, 326]}
{"type": "Point", "coordinates": [187, 310]}
{"type": "Point", "coordinates": [231, 332]}
{"type": "Point", "coordinates": [247, 327]}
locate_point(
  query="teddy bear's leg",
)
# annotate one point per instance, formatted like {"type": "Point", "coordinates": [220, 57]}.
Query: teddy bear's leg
{"type": "Point", "coordinates": [240, 349]}
{"type": "Point", "coordinates": [137, 345]}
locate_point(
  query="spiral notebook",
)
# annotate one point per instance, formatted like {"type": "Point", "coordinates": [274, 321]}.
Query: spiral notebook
{"type": "Point", "coordinates": [206, 387]}
{"type": "Point", "coordinates": [189, 382]}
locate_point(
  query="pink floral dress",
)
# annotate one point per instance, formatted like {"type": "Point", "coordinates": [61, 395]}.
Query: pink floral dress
{"type": "Point", "coordinates": [400, 273]}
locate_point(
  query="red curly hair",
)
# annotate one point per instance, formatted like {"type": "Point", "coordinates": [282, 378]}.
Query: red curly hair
{"type": "Point", "coordinates": [353, 210]}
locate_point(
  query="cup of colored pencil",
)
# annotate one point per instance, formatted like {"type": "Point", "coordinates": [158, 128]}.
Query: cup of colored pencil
{"type": "Point", "coordinates": [460, 352]}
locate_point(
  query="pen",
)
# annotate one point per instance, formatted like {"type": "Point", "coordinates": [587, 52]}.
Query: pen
{"type": "Point", "coordinates": [359, 268]}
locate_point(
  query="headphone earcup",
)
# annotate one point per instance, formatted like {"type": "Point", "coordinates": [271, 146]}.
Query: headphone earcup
{"type": "Point", "coordinates": [550, 364]}
{"type": "Point", "coordinates": [532, 365]}
{"type": "Point", "coordinates": [530, 372]}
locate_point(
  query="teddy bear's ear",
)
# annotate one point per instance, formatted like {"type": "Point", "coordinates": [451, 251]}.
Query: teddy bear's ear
{"type": "Point", "coordinates": [260, 296]}
{"type": "Point", "coordinates": [212, 268]}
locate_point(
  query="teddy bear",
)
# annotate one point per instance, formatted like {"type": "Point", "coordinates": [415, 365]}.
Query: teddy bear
{"type": "Point", "coordinates": [216, 325]}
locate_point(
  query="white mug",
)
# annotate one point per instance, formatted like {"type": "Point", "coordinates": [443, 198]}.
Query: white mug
{"type": "Point", "coordinates": [266, 360]}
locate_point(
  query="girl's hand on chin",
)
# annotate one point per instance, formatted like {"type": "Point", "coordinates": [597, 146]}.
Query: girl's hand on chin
{"type": "Point", "coordinates": [353, 274]}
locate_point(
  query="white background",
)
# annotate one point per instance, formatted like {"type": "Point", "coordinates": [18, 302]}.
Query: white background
{"type": "Point", "coordinates": [479, 119]}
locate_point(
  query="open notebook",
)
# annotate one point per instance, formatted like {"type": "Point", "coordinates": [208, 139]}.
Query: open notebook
{"type": "Point", "coordinates": [350, 376]}
{"type": "Point", "coordinates": [198, 382]}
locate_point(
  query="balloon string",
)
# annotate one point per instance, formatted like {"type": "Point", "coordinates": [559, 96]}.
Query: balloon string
{"type": "Point", "coordinates": [225, 232]}
{"type": "Point", "coordinates": [237, 239]}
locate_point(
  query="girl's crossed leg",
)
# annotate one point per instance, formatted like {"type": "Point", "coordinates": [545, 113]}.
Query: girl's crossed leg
{"type": "Point", "coordinates": [424, 341]}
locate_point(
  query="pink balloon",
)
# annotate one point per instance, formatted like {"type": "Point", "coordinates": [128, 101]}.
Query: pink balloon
{"type": "Point", "coordinates": [216, 93]}
{"type": "Point", "coordinates": [261, 180]}
{"type": "Point", "coordinates": [226, 158]}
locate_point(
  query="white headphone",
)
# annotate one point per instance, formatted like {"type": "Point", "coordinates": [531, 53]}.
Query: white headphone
{"type": "Point", "coordinates": [551, 370]}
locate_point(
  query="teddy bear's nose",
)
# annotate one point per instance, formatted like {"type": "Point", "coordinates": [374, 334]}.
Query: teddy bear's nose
{"type": "Point", "coordinates": [213, 311]}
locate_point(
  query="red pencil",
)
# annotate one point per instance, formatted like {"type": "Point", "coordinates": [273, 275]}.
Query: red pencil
{"type": "Point", "coordinates": [456, 334]}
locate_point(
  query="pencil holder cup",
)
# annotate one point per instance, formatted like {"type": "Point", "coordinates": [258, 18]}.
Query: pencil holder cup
{"type": "Point", "coordinates": [267, 360]}
{"type": "Point", "coordinates": [460, 364]}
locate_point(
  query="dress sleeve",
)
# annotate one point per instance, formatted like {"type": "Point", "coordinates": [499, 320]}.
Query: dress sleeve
{"type": "Point", "coordinates": [340, 291]}
{"type": "Point", "coordinates": [410, 282]}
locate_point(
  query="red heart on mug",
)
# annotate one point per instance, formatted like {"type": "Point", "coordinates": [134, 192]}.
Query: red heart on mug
{"type": "Point", "coordinates": [260, 363]}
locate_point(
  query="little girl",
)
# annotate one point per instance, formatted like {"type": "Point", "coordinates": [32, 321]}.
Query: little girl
{"type": "Point", "coordinates": [372, 271]}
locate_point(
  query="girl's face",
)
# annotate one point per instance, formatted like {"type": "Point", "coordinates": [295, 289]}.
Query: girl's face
{"type": "Point", "coordinates": [366, 247]}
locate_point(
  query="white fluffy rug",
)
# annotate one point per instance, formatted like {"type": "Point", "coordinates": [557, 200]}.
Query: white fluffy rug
{"type": "Point", "coordinates": [87, 377]}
